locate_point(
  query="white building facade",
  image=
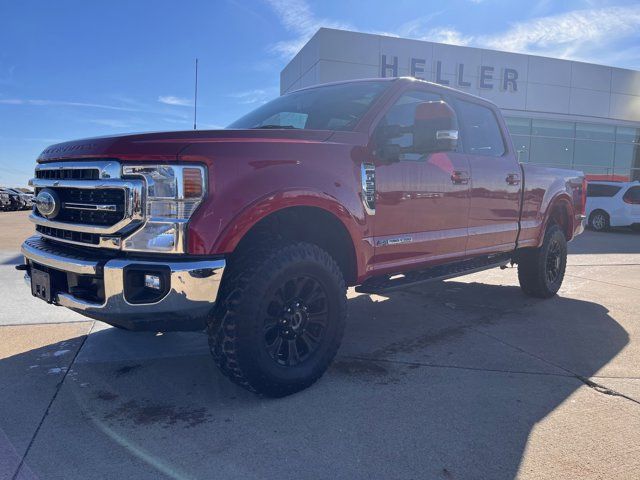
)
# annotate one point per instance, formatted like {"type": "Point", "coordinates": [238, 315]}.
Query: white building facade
{"type": "Point", "coordinates": [560, 113]}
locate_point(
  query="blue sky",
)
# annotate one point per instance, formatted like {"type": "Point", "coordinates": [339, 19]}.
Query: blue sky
{"type": "Point", "coordinates": [73, 69]}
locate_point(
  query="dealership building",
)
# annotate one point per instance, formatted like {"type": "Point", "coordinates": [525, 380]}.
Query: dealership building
{"type": "Point", "coordinates": [560, 112]}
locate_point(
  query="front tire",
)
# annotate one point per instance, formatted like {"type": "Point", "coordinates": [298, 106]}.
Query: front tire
{"type": "Point", "coordinates": [599, 221]}
{"type": "Point", "coordinates": [280, 319]}
{"type": "Point", "coordinates": [541, 270]}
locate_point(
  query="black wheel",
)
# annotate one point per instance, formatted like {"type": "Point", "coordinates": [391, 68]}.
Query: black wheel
{"type": "Point", "coordinates": [599, 220]}
{"type": "Point", "coordinates": [280, 319]}
{"type": "Point", "coordinates": [541, 270]}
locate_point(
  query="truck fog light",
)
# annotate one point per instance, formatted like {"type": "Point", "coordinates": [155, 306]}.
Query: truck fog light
{"type": "Point", "coordinates": [152, 281]}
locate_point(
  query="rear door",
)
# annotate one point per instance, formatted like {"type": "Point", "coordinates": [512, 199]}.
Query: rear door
{"type": "Point", "coordinates": [495, 182]}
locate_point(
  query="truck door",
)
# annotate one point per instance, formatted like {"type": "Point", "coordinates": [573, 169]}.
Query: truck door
{"type": "Point", "coordinates": [495, 181]}
{"type": "Point", "coordinates": [422, 201]}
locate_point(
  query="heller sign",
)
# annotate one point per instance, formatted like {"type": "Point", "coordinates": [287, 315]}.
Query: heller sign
{"type": "Point", "coordinates": [487, 77]}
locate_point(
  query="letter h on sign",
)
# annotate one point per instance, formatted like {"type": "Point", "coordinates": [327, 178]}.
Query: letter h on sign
{"type": "Point", "coordinates": [384, 67]}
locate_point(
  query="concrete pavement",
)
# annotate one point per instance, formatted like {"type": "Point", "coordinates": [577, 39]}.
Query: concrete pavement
{"type": "Point", "coordinates": [461, 379]}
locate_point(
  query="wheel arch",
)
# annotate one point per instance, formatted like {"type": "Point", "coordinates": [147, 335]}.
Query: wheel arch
{"type": "Point", "coordinates": [560, 212]}
{"type": "Point", "coordinates": [309, 217]}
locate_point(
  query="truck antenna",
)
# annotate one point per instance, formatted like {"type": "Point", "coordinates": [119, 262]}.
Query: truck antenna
{"type": "Point", "coordinates": [195, 100]}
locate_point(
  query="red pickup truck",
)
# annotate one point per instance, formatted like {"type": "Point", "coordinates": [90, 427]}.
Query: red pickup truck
{"type": "Point", "coordinates": [257, 230]}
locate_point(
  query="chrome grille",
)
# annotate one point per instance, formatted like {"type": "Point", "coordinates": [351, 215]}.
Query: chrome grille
{"type": "Point", "coordinates": [97, 205]}
{"type": "Point", "coordinates": [69, 174]}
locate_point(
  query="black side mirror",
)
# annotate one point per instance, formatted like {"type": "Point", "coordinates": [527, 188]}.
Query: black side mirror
{"type": "Point", "coordinates": [387, 151]}
{"type": "Point", "coordinates": [435, 128]}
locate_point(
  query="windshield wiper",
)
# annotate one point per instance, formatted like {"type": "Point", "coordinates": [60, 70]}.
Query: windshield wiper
{"type": "Point", "coordinates": [274, 126]}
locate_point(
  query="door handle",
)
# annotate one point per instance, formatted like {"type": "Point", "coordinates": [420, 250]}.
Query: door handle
{"type": "Point", "coordinates": [460, 177]}
{"type": "Point", "coordinates": [513, 179]}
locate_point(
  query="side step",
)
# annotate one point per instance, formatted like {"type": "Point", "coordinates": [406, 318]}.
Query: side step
{"type": "Point", "coordinates": [385, 283]}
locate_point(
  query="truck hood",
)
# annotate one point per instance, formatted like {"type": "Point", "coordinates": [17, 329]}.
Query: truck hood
{"type": "Point", "coordinates": [166, 146]}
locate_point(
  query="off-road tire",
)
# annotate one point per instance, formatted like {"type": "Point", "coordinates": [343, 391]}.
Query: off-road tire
{"type": "Point", "coordinates": [236, 330]}
{"type": "Point", "coordinates": [541, 270]}
{"type": "Point", "coordinates": [599, 221]}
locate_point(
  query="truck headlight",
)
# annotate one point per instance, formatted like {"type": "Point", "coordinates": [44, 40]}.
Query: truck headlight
{"type": "Point", "coordinates": [173, 193]}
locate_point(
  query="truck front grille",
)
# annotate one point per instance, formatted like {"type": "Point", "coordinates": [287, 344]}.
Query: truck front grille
{"type": "Point", "coordinates": [68, 235]}
{"type": "Point", "coordinates": [94, 200]}
{"type": "Point", "coordinates": [69, 174]}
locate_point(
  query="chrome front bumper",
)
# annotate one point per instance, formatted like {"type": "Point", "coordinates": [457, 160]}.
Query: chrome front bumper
{"type": "Point", "coordinates": [190, 298]}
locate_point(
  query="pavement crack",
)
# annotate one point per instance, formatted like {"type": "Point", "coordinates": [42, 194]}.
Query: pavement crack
{"type": "Point", "coordinates": [48, 409]}
{"type": "Point", "coordinates": [604, 390]}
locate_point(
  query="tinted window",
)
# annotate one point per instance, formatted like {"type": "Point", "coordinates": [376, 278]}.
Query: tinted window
{"type": "Point", "coordinates": [402, 113]}
{"type": "Point", "coordinates": [518, 125]}
{"type": "Point", "coordinates": [480, 131]}
{"type": "Point", "coordinates": [632, 195]}
{"type": "Point", "coordinates": [332, 107]}
{"type": "Point", "coordinates": [601, 190]}
{"type": "Point", "coordinates": [552, 128]}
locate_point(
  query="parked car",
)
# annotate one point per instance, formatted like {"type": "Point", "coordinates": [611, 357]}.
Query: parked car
{"type": "Point", "coordinates": [256, 231]}
{"type": "Point", "coordinates": [613, 204]}
{"type": "Point", "coordinates": [17, 202]}
{"type": "Point", "coordinates": [5, 201]}
{"type": "Point", "coordinates": [26, 198]}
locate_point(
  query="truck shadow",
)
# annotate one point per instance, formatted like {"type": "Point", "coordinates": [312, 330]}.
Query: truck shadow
{"type": "Point", "coordinates": [442, 381]}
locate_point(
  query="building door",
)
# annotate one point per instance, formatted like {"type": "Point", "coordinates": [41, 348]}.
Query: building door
{"type": "Point", "coordinates": [422, 201]}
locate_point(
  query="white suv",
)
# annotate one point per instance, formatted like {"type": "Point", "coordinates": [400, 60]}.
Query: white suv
{"type": "Point", "coordinates": [613, 204]}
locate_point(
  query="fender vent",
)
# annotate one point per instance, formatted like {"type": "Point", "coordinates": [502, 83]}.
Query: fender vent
{"type": "Point", "coordinates": [368, 178]}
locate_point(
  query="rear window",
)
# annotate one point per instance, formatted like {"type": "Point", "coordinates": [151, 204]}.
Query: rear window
{"type": "Point", "coordinates": [600, 190]}
{"type": "Point", "coordinates": [632, 195]}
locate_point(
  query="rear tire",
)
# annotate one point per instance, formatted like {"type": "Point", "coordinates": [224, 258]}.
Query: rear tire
{"type": "Point", "coordinates": [541, 270]}
{"type": "Point", "coordinates": [279, 318]}
{"type": "Point", "coordinates": [599, 221]}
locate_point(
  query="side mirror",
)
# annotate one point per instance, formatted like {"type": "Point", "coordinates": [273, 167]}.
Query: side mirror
{"type": "Point", "coordinates": [435, 128]}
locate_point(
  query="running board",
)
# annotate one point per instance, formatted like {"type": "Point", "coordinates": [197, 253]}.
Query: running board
{"type": "Point", "coordinates": [385, 283]}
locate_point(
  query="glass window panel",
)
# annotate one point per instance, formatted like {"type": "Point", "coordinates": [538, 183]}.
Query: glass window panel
{"type": "Point", "coordinates": [518, 125]}
{"type": "Point", "coordinates": [522, 144]}
{"type": "Point", "coordinates": [593, 153]}
{"type": "Point", "coordinates": [481, 134]}
{"type": "Point", "coordinates": [592, 131]}
{"type": "Point", "coordinates": [552, 128]}
{"type": "Point", "coordinates": [557, 151]}
{"type": "Point", "coordinates": [593, 169]}
{"type": "Point", "coordinates": [628, 134]}
{"type": "Point", "coordinates": [627, 155]}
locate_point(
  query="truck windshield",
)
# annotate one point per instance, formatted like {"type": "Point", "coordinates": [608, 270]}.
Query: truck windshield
{"type": "Point", "coordinates": [332, 107]}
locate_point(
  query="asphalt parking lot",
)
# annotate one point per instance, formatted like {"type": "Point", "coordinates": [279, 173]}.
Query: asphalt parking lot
{"type": "Point", "coordinates": [463, 379]}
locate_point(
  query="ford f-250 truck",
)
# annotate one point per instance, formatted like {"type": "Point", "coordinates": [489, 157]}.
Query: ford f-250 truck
{"type": "Point", "coordinates": [257, 230]}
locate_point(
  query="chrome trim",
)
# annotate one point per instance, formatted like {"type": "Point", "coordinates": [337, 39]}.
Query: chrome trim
{"type": "Point", "coordinates": [112, 243]}
{"type": "Point", "coordinates": [133, 213]}
{"type": "Point", "coordinates": [368, 183]}
{"type": "Point", "coordinates": [108, 169]}
{"type": "Point", "coordinates": [40, 252]}
{"type": "Point", "coordinates": [447, 135]}
{"type": "Point", "coordinates": [90, 206]}
{"type": "Point", "coordinates": [193, 293]}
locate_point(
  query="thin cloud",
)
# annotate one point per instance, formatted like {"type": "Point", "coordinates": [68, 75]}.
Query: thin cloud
{"type": "Point", "coordinates": [254, 96]}
{"type": "Point", "coordinates": [172, 100]}
{"type": "Point", "coordinates": [62, 103]}
{"type": "Point", "coordinates": [297, 17]}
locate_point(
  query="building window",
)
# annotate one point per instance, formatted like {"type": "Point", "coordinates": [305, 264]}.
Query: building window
{"type": "Point", "coordinates": [518, 125]}
{"type": "Point", "coordinates": [552, 128]}
{"type": "Point", "coordinates": [551, 151]}
{"type": "Point", "coordinates": [592, 131]}
{"type": "Point", "coordinates": [628, 134]}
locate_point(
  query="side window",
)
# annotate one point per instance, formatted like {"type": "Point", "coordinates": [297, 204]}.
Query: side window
{"type": "Point", "coordinates": [480, 130]}
{"type": "Point", "coordinates": [402, 113]}
{"type": "Point", "coordinates": [632, 196]}
{"type": "Point", "coordinates": [601, 190]}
